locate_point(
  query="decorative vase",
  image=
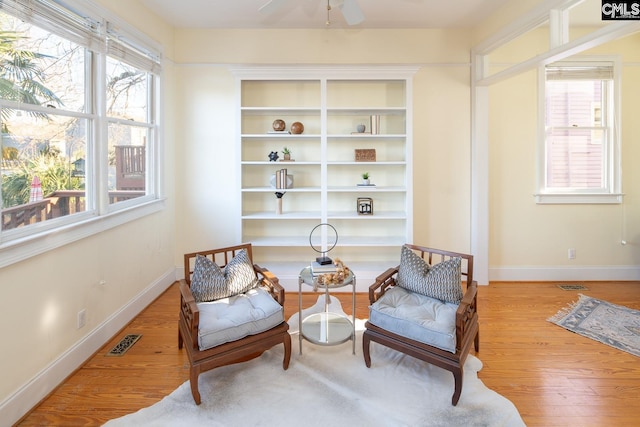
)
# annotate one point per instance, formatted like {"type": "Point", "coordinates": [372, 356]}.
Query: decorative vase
{"type": "Point", "coordinates": [361, 128]}
{"type": "Point", "coordinates": [279, 206]}
{"type": "Point", "coordinates": [365, 181]}
{"type": "Point", "coordinates": [287, 156]}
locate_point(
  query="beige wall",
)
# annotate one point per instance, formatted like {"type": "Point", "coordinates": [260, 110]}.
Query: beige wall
{"type": "Point", "coordinates": [207, 202]}
{"type": "Point", "coordinates": [208, 212]}
{"type": "Point", "coordinates": [40, 297]}
{"type": "Point", "coordinates": [526, 237]}
{"type": "Point", "coordinates": [321, 46]}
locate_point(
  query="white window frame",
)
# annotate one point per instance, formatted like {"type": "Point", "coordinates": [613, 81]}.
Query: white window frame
{"type": "Point", "coordinates": [611, 193]}
{"type": "Point", "coordinates": [19, 244]}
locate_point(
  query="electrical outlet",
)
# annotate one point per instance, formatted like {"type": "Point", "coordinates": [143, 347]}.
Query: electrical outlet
{"type": "Point", "coordinates": [572, 253]}
{"type": "Point", "coordinates": [82, 318]}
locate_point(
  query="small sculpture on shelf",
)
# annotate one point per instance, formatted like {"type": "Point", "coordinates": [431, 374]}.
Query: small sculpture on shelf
{"type": "Point", "coordinates": [273, 156]}
{"type": "Point", "coordinates": [297, 128]}
{"type": "Point", "coordinates": [279, 125]}
{"type": "Point", "coordinates": [364, 205]}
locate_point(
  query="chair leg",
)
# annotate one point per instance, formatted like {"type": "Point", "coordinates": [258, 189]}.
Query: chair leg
{"type": "Point", "coordinates": [457, 378]}
{"type": "Point", "coordinates": [287, 351]}
{"type": "Point", "coordinates": [193, 380]}
{"type": "Point", "coordinates": [365, 349]}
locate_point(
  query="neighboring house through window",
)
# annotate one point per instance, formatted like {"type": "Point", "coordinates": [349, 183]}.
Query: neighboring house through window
{"type": "Point", "coordinates": [578, 156]}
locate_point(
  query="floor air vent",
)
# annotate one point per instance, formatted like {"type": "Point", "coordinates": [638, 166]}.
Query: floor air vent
{"type": "Point", "coordinates": [125, 344]}
{"type": "Point", "coordinates": [572, 287]}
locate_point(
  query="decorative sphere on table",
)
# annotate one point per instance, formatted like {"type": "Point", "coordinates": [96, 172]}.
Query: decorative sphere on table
{"type": "Point", "coordinates": [297, 128]}
{"type": "Point", "coordinates": [279, 125]}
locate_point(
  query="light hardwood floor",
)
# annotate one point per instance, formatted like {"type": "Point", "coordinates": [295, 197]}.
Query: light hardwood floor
{"type": "Point", "coordinates": [554, 377]}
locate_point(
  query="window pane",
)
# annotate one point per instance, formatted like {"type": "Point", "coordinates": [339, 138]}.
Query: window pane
{"type": "Point", "coordinates": [126, 91]}
{"type": "Point", "coordinates": [575, 159]}
{"type": "Point", "coordinates": [574, 103]}
{"type": "Point", "coordinates": [47, 150]}
{"type": "Point", "coordinates": [127, 161]}
{"type": "Point", "coordinates": [40, 68]}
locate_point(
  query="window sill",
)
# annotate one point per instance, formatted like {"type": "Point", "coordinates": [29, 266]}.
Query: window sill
{"type": "Point", "coordinates": [578, 199]}
{"type": "Point", "coordinates": [18, 250]}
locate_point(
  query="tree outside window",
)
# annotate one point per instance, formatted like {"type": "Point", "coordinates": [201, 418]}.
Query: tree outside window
{"type": "Point", "coordinates": [43, 78]}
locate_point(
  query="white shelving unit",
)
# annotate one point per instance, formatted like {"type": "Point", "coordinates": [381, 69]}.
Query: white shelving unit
{"type": "Point", "coordinates": [330, 102]}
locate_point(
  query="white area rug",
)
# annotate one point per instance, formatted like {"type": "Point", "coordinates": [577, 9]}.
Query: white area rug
{"type": "Point", "coordinates": [329, 386]}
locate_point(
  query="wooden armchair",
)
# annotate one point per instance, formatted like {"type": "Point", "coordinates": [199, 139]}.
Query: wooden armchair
{"type": "Point", "coordinates": [408, 334]}
{"type": "Point", "coordinates": [251, 343]}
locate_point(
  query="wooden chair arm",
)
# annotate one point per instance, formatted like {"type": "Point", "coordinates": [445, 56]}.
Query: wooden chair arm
{"type": "Point", "coordinates": [189, 312]}
{"type": "Point", "coordinates": [466, 313]}
{"type": "Point", "coordinates": [271, 282]}
{"type": "Point", "coordinates": [382, 283]}
{"type": "Point", "coordinates": [469, 296]}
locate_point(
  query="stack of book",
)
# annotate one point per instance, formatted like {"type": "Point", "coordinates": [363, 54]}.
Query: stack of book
{"type": "Point", "coordinates": [281, 179]}
{"type": "Point", "coordinates": [317, 269]}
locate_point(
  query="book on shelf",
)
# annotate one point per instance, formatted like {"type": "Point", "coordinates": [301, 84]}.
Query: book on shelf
{"type": "Point", "coordinates": [281, 179]}
{"type": "Point", "coordinates": [360, 133]}
{"type": "Point", "coordinates": [375, 124]}
{"type": "Point", "coordinates": [317, 268]}
{"type": "Point", "coordinates": [366, 185]}
{"type": "Point", "coordinates": [279, 131]}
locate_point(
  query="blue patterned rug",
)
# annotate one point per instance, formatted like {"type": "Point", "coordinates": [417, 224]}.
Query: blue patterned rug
{"type": "Point", "coordinates": [611, 324]}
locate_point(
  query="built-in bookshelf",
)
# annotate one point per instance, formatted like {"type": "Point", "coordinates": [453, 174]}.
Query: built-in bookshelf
{"type": "Point", "coordinates": [324, 172]}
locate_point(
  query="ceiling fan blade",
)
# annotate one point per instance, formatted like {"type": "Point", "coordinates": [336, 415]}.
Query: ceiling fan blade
{"type": "Point", "coordinates": [272, 6]}
{"type": "Point", "coordinates": [352, 12]}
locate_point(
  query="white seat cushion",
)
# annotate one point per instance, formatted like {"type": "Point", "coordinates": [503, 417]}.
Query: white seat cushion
{"type": "Point", "coordinates": [417, 317]}
{"type": "Point", "coordinates": [236, 317]}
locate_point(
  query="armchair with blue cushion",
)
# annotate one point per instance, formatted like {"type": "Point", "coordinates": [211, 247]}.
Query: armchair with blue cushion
{"type": "Point", "coordinates": [420, 308]}
{"type": "Point", "coordinates": [231, 311]}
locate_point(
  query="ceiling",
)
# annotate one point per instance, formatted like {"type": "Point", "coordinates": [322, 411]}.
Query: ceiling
{"type": "Point", "coordinates": [313, 13]}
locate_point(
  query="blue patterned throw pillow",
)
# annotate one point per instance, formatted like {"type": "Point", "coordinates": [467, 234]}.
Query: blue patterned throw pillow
{"type": "Point", "coordinates": [209, 282]}
{"type": "Point", "coordinates": [441, 281]}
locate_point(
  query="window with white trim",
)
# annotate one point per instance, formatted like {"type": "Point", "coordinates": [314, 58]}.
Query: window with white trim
{"type": "Point", "coordinates": [78, 97]}
{"type": "Point", "coordinates": [578, 155]}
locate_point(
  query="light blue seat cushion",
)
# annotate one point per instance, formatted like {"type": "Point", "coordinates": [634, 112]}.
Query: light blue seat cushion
{"type": "Point", "coordinates": [417, 317]}
{"type": "Point", "coordinates": [229, 319]}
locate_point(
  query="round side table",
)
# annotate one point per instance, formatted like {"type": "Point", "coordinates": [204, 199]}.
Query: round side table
{"type": "Point", "coordinates": [326, 327]}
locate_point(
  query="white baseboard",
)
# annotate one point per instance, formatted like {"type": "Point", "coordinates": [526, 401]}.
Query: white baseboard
{"type": "Point", "coordinates": [30, 394]}
{"type": "Point", "coordinates": [565, 273]}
